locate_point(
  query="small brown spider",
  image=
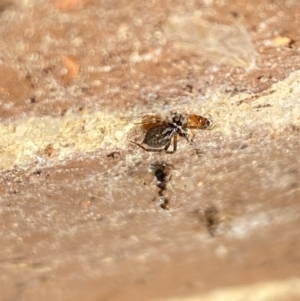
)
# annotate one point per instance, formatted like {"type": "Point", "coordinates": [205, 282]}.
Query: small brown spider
{"type": "Point", "coordinates": [161, 131]}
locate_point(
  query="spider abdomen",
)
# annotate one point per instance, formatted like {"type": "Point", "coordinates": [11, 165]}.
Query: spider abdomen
{"type": "Point", "coordinates": [159, 135]}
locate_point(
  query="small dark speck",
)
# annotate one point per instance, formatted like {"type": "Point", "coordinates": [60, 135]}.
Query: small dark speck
{"type": "Point", "coordinates": [243, 146]}
{"type": "Point", "coordinates": [294, 185]}
{"type": "Point", "coordinates": [262, 106]}
{"type": "Point", "coordinates": [32, 99]}
{"type": "Point", "coordinates": [234, 14]}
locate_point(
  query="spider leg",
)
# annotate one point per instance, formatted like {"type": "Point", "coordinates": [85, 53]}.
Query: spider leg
{"type": "Point", "coordinates": [175, 143]}
{"type": "Point", "coordinates": [149, 149]}
{"type": "Point", "coordinates": [186, 135]}
{"type": "Point", "coordinates": [167, 147]}
{"type": "Point", "coordinates": [190, 138]}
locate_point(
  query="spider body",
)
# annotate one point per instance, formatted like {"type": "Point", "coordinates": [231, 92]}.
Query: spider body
{"type": "Point", "coordinates": [160, 132]}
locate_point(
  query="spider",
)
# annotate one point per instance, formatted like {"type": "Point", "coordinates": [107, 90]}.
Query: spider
{"type": "Point", "coordinates": [161, 131]}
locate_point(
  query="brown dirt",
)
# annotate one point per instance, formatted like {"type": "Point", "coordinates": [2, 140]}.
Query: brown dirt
{"type": "Point", "coordinates": [83, 215]}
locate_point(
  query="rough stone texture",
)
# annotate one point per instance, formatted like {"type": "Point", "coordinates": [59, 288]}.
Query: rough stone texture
{"type": "Point", "coordinates": [83, 214]}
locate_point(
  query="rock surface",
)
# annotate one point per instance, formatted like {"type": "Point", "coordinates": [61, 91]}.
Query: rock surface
{"type": "Point", "coordinates": [85, 214]}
